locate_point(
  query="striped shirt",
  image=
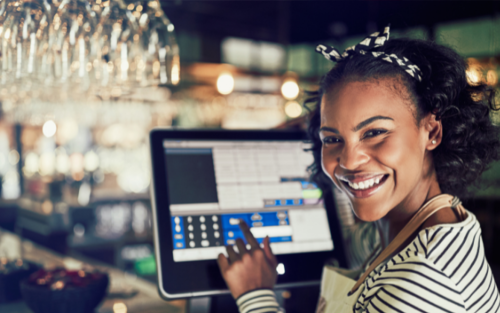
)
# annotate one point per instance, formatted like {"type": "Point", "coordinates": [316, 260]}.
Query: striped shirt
{"type": "Point", "coordinates": [443, 269]}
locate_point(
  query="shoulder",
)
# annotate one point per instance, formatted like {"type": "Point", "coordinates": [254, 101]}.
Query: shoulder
{"type": "Point", "coordinates": [442, 270]}
{"type": "Point", "coordinates": [449, 246]}
{"type": "Point", "coordinates": [409, 282]}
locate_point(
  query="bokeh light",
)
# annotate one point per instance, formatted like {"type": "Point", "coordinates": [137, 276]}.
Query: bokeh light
{"type": "Point", "coordinates": [491, 77]}
{"type": "Point", "coordinates": [13, 157]}
{"type": "Point", "coordinates": [49, 128]}
{"type": "Point", "coordinates": [31, 164]}
{"type": "Point", "coordinates": [91, 161]}
{"type": "Point", "coordinates": [47, 163]}
{"type": "Point", "coordinates": [290, 89]}
{"type": "Point", "coordinates": [225, 83]}
{"type": "Point", "coordinates": [293, 109]}
{"type": "Point", "coordinates": [119, 307]}
{"type": "Point", "coordinates": [62, 161]}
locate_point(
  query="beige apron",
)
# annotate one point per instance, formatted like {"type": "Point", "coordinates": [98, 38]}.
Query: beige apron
{"type": "Point", "coordinates": [337, 292]}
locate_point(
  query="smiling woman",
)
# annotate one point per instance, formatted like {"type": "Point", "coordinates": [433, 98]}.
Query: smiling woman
{"type": "Point", "coordinates": [398, 128]}
{"type": "Point", "coordinates": [373, 136]}
{"type": "Point", "coordinates": [416, 139]}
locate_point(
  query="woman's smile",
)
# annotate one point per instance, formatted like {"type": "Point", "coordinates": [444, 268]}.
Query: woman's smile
{"type": "Point", "coordinates": [363, 185]}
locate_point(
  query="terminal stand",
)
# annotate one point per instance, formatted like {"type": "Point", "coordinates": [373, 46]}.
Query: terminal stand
{"type": "Point", "coordinates": [199, 305]}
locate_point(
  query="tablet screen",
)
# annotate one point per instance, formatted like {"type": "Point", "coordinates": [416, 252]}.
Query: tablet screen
{"type": "Point", "coordinates": [213, 184]}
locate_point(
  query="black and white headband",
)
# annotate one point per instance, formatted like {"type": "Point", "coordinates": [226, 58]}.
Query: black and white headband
{"type": "Point", "coordinates": [365, 47]}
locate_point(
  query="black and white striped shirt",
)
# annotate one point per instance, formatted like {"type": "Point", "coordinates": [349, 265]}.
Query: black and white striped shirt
{"type": "Point", "coordinates": [443, 269]}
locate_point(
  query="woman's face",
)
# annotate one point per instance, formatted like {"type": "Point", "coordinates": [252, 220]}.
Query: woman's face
{"type": "Point", "coordinates": [372, 147]}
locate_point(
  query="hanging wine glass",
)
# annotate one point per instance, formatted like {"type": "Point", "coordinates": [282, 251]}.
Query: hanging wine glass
{"type": "Point", "coordinates": [69, 51]}
{"type": "Point", "coordinates": [73, 48]}
{"type": "Point", "coordinates": [118, 40]}
{"type": "Point", "coordinates": [160, 63]}
{"type": "Point", "coordinates": [23, 38]}
{"type": "Point", "coordinates": [162, 45]}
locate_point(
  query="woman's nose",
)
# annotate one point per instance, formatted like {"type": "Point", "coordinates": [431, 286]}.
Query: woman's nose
{"type": "Point", "coordinates": [352, 157]}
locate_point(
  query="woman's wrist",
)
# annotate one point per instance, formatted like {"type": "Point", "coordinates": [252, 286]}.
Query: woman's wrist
{"type": "Point", "coordinates": [258, 299]}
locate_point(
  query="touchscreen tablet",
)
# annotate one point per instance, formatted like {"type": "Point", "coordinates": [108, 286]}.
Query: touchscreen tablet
{"type": "Point", "coordinates": [206, 181]}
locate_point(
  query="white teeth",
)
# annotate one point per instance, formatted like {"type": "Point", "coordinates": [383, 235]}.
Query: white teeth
{"type": "Point", "coordinates": [364, 184]}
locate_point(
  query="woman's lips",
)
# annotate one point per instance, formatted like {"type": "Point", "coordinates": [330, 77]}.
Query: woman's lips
{"type": "Point", "coordinates": [364, 186]}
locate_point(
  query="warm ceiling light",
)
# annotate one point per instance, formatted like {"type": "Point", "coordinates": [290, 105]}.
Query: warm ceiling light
{"type": "Point", "coordinates": [293, 109]}
{"type": "Point", "coordinates": [290, 89]}
{"type": "Point", "coordinates": [473, 76]}
{"type": "Point", "coordinates": [119, 307]}
{"type": "Point", "coordinates": [49, 128]}
{"type": "Point", "coordinates": [175, 75]}
{"type": "Point", "coordinates": [491, 77]}
{"type": "Point", "coordinates": [473, 73]}
{"type": "Point", "coordinates": [225, 83]}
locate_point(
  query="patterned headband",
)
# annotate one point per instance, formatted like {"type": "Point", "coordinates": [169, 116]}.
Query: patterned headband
{"type": "Point", "coordinates": [365, 47]}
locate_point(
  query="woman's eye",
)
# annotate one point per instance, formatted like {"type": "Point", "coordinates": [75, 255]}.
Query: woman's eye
{"type": "Point", "coordinates": [330, 140]}
{"type": "Point", "coordinates": [374, 133]}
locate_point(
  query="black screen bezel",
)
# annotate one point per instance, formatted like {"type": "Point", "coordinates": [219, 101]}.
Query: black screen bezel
{"type": "Point", "coordinates": [176, 279]}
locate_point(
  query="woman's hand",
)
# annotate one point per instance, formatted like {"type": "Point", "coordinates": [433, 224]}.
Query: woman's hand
{"type": "Point", "coordinates": [248, 269]}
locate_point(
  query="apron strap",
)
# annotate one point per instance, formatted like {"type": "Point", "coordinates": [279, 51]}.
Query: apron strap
{"type": "Point", "coordinates": [432, 206]}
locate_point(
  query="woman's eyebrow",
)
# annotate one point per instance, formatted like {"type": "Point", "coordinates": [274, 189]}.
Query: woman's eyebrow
{"type": "Point", "coordinates": [359, 126]}
{"type": "Point", "coordinates": [370, 120]}
{"type": "Point", "coordinates": [329, 129]}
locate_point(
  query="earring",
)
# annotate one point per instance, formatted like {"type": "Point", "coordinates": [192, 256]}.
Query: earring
{"type": "Point", "coordinates": [433, 142]}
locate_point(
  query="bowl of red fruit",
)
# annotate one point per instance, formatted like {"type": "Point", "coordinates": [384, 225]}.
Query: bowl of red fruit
{"type": "Point", "coordinates": [64, 291]}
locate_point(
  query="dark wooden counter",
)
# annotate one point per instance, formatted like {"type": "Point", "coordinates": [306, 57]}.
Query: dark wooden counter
{"type": "Point", "coordinates": [145, 297]}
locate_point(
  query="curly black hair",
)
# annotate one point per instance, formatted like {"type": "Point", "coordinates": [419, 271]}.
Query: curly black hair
{"type": "Point", "coordinates": [470, 140]}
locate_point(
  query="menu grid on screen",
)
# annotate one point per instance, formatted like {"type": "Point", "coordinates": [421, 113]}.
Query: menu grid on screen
{"type": "Point", "coordinates": [214, 184]}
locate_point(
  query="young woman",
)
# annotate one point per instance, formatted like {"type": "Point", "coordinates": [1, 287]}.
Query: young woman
{"type": "Point", "coordinates": [397, 125]}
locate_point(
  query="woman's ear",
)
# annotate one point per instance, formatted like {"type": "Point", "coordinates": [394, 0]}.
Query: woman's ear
{"type": "Point", "coordinates": [434, 128]}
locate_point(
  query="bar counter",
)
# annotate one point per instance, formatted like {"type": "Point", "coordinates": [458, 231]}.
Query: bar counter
{"type": "Point", "coordinates": [127, 293]}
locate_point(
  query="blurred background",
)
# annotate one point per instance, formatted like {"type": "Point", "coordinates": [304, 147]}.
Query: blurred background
{"type": "Point", "coordinates": [83, 82]}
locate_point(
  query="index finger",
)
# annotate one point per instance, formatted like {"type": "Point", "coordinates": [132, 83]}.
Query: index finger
{"type": "Point", "coordinates": [223, 263]}
{"type": "Point", "coordinates": [248, 235]}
